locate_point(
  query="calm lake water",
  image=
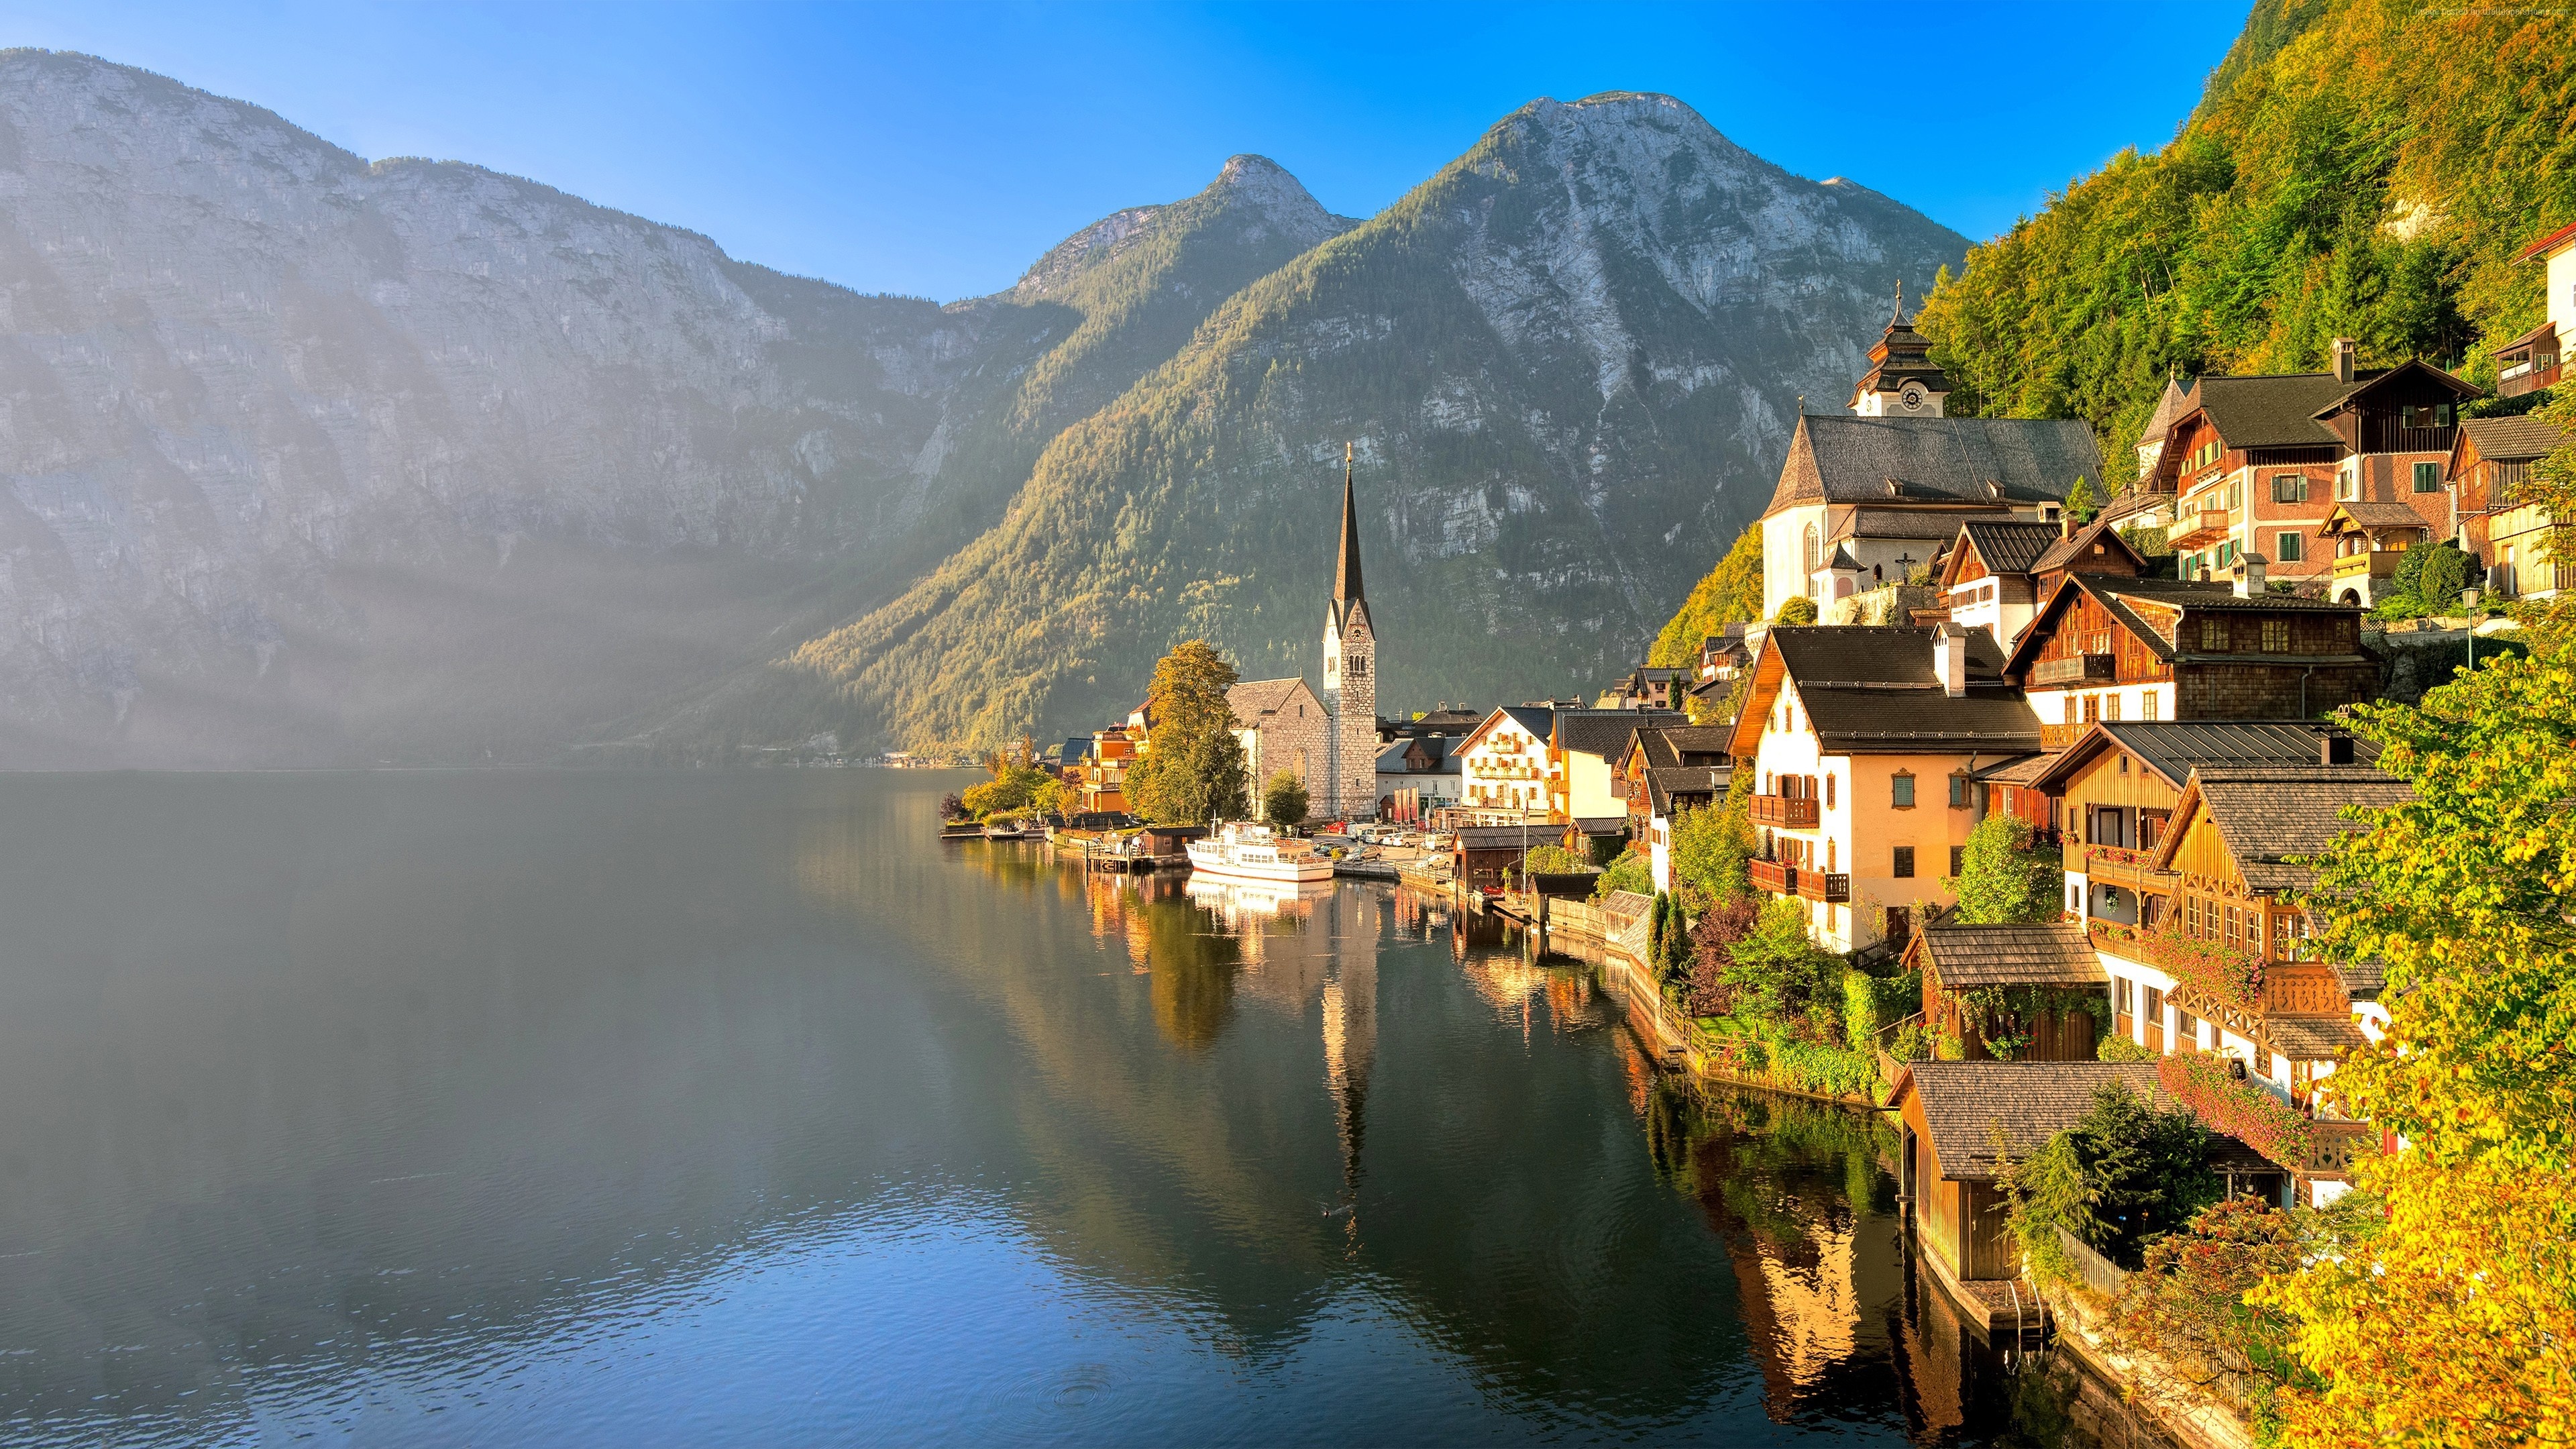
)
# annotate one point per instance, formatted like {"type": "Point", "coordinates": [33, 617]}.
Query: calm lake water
{"type": "Point", "coordinates": [686, 1109]}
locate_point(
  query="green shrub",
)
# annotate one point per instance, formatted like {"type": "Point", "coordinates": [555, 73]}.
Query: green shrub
{"type": "Point", "coordinates": [1872, 1003]}
{"type": "Point", "coordinates": [1632, 871]}
{"type": "Point", "coordinates": [2121, 1049]}
{"type": "Point", "coordinates": [1799, 610]}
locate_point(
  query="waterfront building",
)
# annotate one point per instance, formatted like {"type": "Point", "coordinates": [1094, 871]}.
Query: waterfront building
{"type": "Point", "coordinates": [2035, 971]}
{"type": "Point", "coordinates": [2110, 648]}
{"type": "Point", "coordinates": [1866, 499]}
{"type": "Point", "coordinates": [1961, 1125]}
{"type": "Point", "coordinates": [2217, 957]}
{"type": "Point", "coordinates": [1864, 741]}
{"type": "Point", "coordinates": [1583, 749]}
{"type": "Point", "coordinates": [1503, 763]}
{"type": "Point", "coordinates": [1281, 725]}
{"type": "Point", "coordinates": [1418, 775]}
{"type": "Point", "coordinates": [1662, 772]}
{"type": "Point", "coordinates": [2489, 470]}
{"type": "Point", "coordinates": [1350, 678]}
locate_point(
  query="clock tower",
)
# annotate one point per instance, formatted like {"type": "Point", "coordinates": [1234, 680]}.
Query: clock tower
{"type": "Point", "coordinates": [1902, 381]}
{"type": "Point", "coordinates": [1350, 677]}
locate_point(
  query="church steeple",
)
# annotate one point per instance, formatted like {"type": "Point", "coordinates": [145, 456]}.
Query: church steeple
{"type": "Point", "coordinates": [1903, 381]}
{"type": "Point", "coordinates": [1346, 570]}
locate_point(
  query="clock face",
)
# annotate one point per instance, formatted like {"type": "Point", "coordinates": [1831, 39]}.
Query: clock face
{"type": "Point", "coordinates": [1912, 397]}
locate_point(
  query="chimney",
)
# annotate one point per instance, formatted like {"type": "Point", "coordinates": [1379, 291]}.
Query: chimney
{"type": "Point", "coordinates": [2249, 576]}
{"type": "Point", "coordinates": [2334, 749]}
{"type": "Point", "coordinates": [1950, 658]}
{"type": "Point", "coordinates": [2343, 359]}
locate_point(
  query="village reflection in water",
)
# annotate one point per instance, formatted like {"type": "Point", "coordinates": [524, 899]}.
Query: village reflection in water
{"type": "Point", "coordinates": [1801, 1194]}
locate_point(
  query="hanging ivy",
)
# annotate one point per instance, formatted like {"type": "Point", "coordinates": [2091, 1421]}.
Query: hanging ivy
{"type": "Point", "coordinates": [2007, 1018]}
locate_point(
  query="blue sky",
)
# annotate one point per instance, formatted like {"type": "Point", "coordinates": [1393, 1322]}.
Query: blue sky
{"type": "Point", "coordinates": [937, 150]}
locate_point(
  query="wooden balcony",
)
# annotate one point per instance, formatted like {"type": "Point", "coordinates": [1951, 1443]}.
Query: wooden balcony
{"type": "Point", "coordinates": [2075, 669]}
{"type": "Point", "coordinates": [1777, 877]}
{"type": "Point", "coordinates": [2378, 563]}
{"type": "Point", "coordinates": [2522, 377]}
{"type": "Point", "coordinates": [1789, 812]}
{"type": "Point", "coordinates": [2208, 527]}
{"type": "Point", "coordinates": [1815, 885]}
{"type": "Point", "coordinates": [2055, 737]}
{"type": "Point", "coordinates": [2334, 1145]}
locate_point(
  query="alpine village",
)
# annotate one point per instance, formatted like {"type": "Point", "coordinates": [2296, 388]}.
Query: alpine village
{"type": "Point", "coordinates": [2175, 870]}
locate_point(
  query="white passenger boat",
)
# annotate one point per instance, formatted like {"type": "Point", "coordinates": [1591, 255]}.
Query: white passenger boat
{"type": "Point", "coordinates": [1251, 852]}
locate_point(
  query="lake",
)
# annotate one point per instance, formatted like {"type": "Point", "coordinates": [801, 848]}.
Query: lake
{"type": "Point", "coordinates": [732, 1108]}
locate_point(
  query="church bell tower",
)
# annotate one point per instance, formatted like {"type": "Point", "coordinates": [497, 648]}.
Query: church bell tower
{"type": "Point", "coordinates": [1350, 676]}
{"type": "Point", "coordinates": [1903, 381]}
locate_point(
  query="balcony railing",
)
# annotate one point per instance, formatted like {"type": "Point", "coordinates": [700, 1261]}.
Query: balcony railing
{"type": "Point", "coordinates": [2117, 865]}
{"type": "Point", "coordinates": [2211, 525]}
{"type": "Point", "coordinates": [2378, 563]}
{"type": "Point", "coordinates": [1789, 812]}
{"type": "Point", "coordinates": [1777, 877]}
{"type": "Point", "coordinates": [2521, 378]}
{"type": "Point", "coordinates": [1816, 885]}
{"type": "Point", "coordinates": [2055, 737]}
{"type": "Point", "coordinates": [2075, 669]}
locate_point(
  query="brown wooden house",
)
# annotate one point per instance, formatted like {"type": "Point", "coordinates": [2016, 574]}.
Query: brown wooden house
{"type": "Point", "coordinates": [2490, 469]}
{"type": "Point", "coordinates": [2127, 649]}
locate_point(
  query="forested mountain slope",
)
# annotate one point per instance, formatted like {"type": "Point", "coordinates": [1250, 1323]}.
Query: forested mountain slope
{"type": "Point", "coordinates": [1570, 363]}
{"type": "Point", "coordinates": [2361, 168]}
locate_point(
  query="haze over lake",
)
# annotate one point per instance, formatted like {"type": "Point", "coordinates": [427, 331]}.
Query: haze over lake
{"type": "Point", "coordinates": [728, 1107]}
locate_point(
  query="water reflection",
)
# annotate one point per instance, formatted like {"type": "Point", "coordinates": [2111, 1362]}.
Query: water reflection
{"type": "Point", "coordinates": [671, 1109]}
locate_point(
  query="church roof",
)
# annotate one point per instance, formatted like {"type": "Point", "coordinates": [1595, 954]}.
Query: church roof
{"type": "Point", "coordinates": [1935, 461]}
{"type": "Point", "coordinates": [2176, 401]}
{"type": "Point", "coordinates": [1901, 355]}
{"type": "Point", "coordinates": [1346, 568]}
{"type": "Point", "coordinates": [1254, 698]}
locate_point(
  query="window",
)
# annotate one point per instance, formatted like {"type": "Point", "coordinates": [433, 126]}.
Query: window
{"type": "Point", "coordinates": [2186, 1029]}
{"type": "Point", "coordinates": [1900, 791]}
{"type": "Point", "coordinates": [2262, 1061]}
{"type": "Point", "coordinates": [1958, 861]}
{"type": "Point", "coordinates": [2213, 635]}
{"type": "Point", "coordinates": [2155, 999]}
{"type": "Point", "coordinates": [1829, 792]}
{"type": "Point", "coordinates": [2288, 546]}
{"type": "Point", "coordinates": [2120, 986]}
{"type": "Point", "coordinates": [1958, 792]}
{"type": "Point", "coordinates": [2111, 707]}
{"type": "Point", "coordinates": [2434, 415]}
{"type": "Point", "coordinates": [2147, 704]}
{"type": "Point", "coordinates": [2276, 636]}
{"type": "Point", "coordinates": [2348, 484]}
{"type": "Point", "coordinates": [2235, 496]}
{"type": "Point", "coordinates": [2428, 477]}
{"type": "Point", "coordinates": [1815, 554]}
{"type": "Point", "coordinates": [1903, 869]}
{"type": "Point", "coordinates": [2289, 487]}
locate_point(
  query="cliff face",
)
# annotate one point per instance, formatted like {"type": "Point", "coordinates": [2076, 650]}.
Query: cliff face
{"type": "Point", "coordinates": [306, 460]}
{"type": "Point", "coordinates": [1571, 362]}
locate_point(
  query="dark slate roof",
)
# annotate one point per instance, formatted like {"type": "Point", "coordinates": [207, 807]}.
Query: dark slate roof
{"type": "Point", "coordinates": [1390, 758]}
{"type": "Point", "coordinates": [2512, 438]}
{"type": "Point", "coordinates": [1664, 748]}
{"type": "Point", "coordinates": [1934, 460]}
{"type": "Point", "coordinates": [1076, 749]}
{"type": "Point", "coordinates": [1604, 732]}
{"type": "Point", "coordinates": [1965, 1102]}
{"type": "Point", "coordinates": [1537, 719]}
{"type": "Point", "coordinates": [2174, 748]}
{"type": "Point", "coordinates": [1464, 719]}
{"type": "Point", "coordinates": [2010, 547]}
{"type": "Point", "coordinates": [2310, 1038]}
{"type": "Point", "coordinates": [2277, 410]}
{"type": "Point", "coordinates": [1685, 781]}
{"type": "Point", "coordinates": [2078, 545]}
{"type": "Point", "coordinates": [1506, 837]}
{"type": "Point", "coordinates": [1870, 690]}
{"type": "Point", "coordinates": [2273, 818]}
{"type": "Point", "coordinates": [1601, 824]}
{"type": "Point", "coordinates": [2056, 954]}
{"type": "Point", "coordinates": [1924, 523]}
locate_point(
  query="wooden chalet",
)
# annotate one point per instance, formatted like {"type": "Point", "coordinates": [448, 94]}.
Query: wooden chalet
{"type": "Point", "coordinates": [2489, 470]}
{"type": "Point", "coordinates": [1987, 578]}
{"type": "Point", "coordinates": [2135, 648]}
{"type": "Point", "coordinates": [2116, 786]}
{"type": "Point", "coordinates": [1483, 854]}
{"type": "Point", "coordinates": [2219, 960]}
{"type": "Point", "coordinates": [2033, 969]}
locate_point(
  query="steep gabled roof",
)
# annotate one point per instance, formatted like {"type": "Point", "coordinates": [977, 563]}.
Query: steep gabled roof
{"type": "Point", "coordinates": [2511, 439]}
{"type": "Point", "coordinates": [2147, 607]}
{"type": "Point", "coordinates": [2367, 383]}
{"type": "Point", "coordinates": [2007, 546]}
{"type": "Point", "coordinates": [2275, 410]}
{"type": "Point", "coordinates": [1665, 786]}
{"type": "Point", "coordinates": [2170, 409]}
{"type": "Point", "coordinates": [1970, 1106]}
{"type": "Point", "coordinates": [2078, 546]}
{"type": "Point", "coordinates": [1602, 731]}
{"type": "Point", "coordinates": [1934, 461]}
{"type": "Point", "coordinates": [1536, 720]}
{"type": "Point", "coordinates": [1871, 690]}
{"type": "Point", "coordinates": [2172, 749]}
{"type": "Point", "coordinates": [2366, 513]}
{"type": "Point", "coordinates": [1253, 698]}
{"type": "Point", "coordinates": [2272, 819]}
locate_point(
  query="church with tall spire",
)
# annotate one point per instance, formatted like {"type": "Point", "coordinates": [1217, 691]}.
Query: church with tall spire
{"type": "Point", "coordinates": [1350, 674]}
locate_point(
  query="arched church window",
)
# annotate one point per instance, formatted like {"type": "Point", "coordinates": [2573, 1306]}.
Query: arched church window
{"type": "Point", "coordinates": [1815, 549]}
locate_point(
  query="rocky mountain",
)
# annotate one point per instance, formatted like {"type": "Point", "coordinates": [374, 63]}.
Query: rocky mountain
{"type": "Point", "coordinates": [311, 460]}
{"type": "Point", "coordinates": [1570, 363]}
